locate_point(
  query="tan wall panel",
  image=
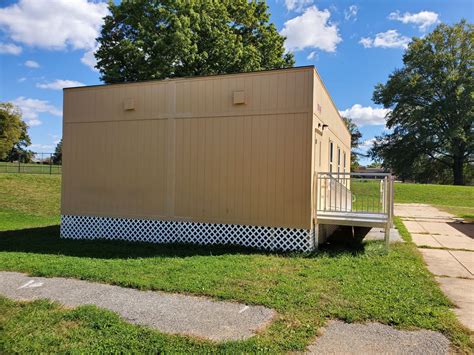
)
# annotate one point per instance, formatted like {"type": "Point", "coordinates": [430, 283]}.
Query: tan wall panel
{"type": "Point", "coordinates": [115, 168]}
{"type": "Point", "coordinates": [231, 182]}
{"type": "Point", "coordinates": [265, 92]}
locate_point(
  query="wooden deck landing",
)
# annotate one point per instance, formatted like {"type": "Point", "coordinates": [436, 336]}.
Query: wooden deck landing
{"type": "Point", "coordinates": [356, 219]}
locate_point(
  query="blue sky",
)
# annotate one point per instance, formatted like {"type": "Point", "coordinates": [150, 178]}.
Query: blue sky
{"type": "Point", "coordinates": [46, 45]}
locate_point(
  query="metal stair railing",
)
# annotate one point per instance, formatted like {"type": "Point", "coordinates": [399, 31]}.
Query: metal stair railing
{"type": "Point", "coordinates": [360, 196]}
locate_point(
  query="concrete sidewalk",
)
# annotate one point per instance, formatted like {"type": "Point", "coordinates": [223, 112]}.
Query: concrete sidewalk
{"type": "Point", "coordinates": [167, 312]}
{"type": "Point", "coordinates": [375, 338]}
{"type": "Point", "coordinates": [447, 251]}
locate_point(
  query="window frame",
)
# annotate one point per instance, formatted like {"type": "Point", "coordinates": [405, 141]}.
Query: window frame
{"type": "Point", "coordinates": [331, 155]}
{"type": "Point", "coordinates": [344, 161]}
{"type": "Point", "coordinates": [338, 159]}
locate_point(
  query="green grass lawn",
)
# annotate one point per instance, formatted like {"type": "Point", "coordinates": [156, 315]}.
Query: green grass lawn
{"type": "Point", "coordinates": [366, 195]}
{"type": "Point", "coordinates": [29, 200]}
{"type": "Point", "coordinates": [458, 200]}
{"type": "Point", "coordinates": [356, 284]}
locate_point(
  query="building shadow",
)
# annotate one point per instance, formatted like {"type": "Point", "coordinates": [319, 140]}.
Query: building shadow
{"type": "Point", "coordinates": [46, 240]}
{"type": "Point", "coordinates": [465, 228]}
{"type": "Point", "coordinates": [349, 241]}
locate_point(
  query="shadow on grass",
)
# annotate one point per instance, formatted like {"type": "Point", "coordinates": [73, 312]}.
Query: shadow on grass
{"type": "Point", "coordinates": [46, 240]}
{"type": "Point", "coordinates": [345, 240]}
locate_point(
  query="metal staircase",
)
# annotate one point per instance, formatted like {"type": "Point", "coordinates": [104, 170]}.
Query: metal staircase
{"type": "Point", "coordinates": [355, 199]}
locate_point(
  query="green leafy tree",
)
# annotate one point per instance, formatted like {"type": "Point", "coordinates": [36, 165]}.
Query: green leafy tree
{"type": "Point", "coordinates": [157, 39]}
{"type": "Point", "coordinates": [58, 153]}
{"type": "Point", "coordinates": [355, 141]}
{"type": "Point", "coordinates": [13, 133]}
{"type": "Point", "coordinates": [19, 151]}
{"type": "Point", "coordinates": [409, 164]}
{"type": "Point", "coordinates": [432, 102]}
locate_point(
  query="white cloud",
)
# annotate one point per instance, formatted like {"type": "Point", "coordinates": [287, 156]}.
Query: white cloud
{"type": "Point", "coordinates": [89, 59]}
{"type": "Point", "coordinates": [367, 42]}
{"type": "Point", "coordinates": [351, 12]}
{"type": "Point", "coordinates": [312, 29]}
{"type": "Point", "coordinates": [59, 84]}
{"type": "Point", "coordinates": [22, 79]}
{"type": "Point", "coordinates": [32, 64]}
{"type": "Point", "coordinates": [9, 48]}
{"type": "Point", "coordinates": [365, 116]}
{"type": "Point", "coordinates": [422, 19]}
{"type": "Point", "coordinates": [31, 108]}
{"type": "Point", "coordinates": [33, 122]}
{"type": "Point", "coordinates": [297, 5]}
{"type": "Point", "coordinates": [54, 24]}
{"type": "Point", "coordinates": [368, 143]}
{"type": "Point", "coordinates": [312, 55]}
{"type": "Point", "coordinates": [389, 39]}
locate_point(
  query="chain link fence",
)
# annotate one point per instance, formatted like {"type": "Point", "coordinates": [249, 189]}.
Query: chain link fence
{"type": "Point", "coordinates": [35, 163]}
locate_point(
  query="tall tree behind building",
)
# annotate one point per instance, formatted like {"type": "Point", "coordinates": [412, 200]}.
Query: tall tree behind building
{"type": "Point", "coordinates": [432, 104]}
{"type": "Point", "coordinates": [143, 40]}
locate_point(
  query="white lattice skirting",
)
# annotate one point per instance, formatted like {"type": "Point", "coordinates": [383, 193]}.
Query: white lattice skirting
{"type": "Point", "coordinates": [156, 231]}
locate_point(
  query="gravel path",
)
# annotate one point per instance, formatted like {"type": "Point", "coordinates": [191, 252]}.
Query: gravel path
{"type": "Point", "coordinates": [169, 313]}
{"type": "Point", "coordinates": [376, 338]}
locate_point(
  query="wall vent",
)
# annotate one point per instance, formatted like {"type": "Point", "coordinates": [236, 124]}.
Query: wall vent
{"type": "Point", "coordinates": [239, 97]}
{"type": "Point", "coordinates": [129, 104]}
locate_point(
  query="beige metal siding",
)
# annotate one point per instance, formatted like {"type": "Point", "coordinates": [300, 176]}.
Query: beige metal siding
{"type": "Point", "coordinates": [325, 113]}
{"type": "Point", "coordinates": [187, 152]}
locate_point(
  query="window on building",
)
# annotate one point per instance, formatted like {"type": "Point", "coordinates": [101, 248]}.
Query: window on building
{"type": "Point", "coordinates": [344, 162]}
{"type": "Point", "coordinates": [331, 145]}
{"type": "Point", "coordinates": [338, 159]}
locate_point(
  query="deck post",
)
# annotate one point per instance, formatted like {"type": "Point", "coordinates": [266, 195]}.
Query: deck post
{"type": "Point", "coordinates": [389, 206]}
{"type": "Point", "coordinates": [392, 196]}
{"type": "Point", "coordinates": [387, 235]}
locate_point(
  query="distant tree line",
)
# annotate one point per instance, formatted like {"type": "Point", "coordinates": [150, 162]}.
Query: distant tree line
{"type": "Point", "coordinates": [14, 138]}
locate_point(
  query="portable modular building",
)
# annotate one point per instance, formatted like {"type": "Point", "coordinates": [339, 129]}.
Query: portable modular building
{"type": "Point", "coordinates": [217, 159]}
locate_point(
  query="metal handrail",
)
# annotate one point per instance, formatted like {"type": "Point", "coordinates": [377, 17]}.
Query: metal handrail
{"type": "Point", "coordinates": [379, 205]}
{"type": "Point", "coordinates": [334, 188]}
